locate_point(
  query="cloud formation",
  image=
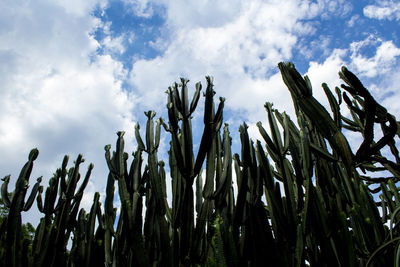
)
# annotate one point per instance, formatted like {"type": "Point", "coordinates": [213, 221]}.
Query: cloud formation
{"type": "Point", "coordinates": [57, 93]}
{"type": "Point", "coordinates": [66, 92]}
{"type": "Point", "coordinates": [240, 46]}
{"type": "Point", "coordinates": [383, 10]}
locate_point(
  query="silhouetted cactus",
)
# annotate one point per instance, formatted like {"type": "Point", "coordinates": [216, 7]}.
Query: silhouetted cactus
{"type": "Point", "coordinates": [304, 198]}
{"type": "Point", "coordinates": [17, 204]}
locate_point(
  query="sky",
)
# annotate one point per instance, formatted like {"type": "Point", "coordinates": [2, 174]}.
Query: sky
{"type": "Point", "coordinates": [73, 73]}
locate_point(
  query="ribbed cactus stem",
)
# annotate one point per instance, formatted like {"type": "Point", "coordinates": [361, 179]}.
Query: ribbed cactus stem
{"type": "Point", "coordinates": [17, 205]}
{"type": "Point", "coordinates": [302, 95]}
{"type": "Point", "coordinates": [33, 194]}
{"type": "Point", "coordinates": [4, 190]}
{"type": "Point", "coordinates": [109, 219]}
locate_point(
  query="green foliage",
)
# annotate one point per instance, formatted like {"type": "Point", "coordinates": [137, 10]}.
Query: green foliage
{"type": "Point", "coordinates": [304, 197]}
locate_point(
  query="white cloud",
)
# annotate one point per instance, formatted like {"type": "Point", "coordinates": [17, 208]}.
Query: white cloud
{"type": "Point", "coordinates": [373, 60]}
{"type": "Point", "coordinates": [240, 46]}
{"type": "Point", "coordinates": [383, 10]}
{"type": "Point", "coordinates": [56, 93]}
{"type": "Point", "coordinates": [141, 8]}
{"type": "Point", "coordinates": [354, 19]}
{"type": "Point", "coordinates": [378, 72]}
{"type": "Point", "coordinates": [114, 45]}
{"type": "Point", "coordinates": [386, 56]}
{"type": "Point", "coordinates": [326, 72]}
{"type": "Point", "coordinates": [203, 13]}
{"type": "Point", "coordinates": [389, 92]}
{"type": "Point", "coordinates": [77, 7]}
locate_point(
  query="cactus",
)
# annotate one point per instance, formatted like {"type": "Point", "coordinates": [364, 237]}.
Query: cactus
{"type": "Point", "coordinates": [184, 167]}
{"type": "Point", "coordinates": [303, 195]}
{"type": "Point", "coordinates": [16, 205]}
{"type": "Point", "coordinates": [127, 224]}
{"type": "Point", "coordinates": [55, 228]}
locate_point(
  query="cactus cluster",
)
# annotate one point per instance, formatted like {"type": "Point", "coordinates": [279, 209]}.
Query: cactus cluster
{"type": "Point", "coordinates": [303, 198]}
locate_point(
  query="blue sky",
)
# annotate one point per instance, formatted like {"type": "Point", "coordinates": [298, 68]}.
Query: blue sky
{"type": "Point", "coordinates": [73, 73]}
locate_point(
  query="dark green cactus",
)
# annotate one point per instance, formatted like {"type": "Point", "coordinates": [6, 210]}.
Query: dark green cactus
{"type": "Point", "coordinates": [184, 166]}
{"type": "Point", "coordinates": [16, 205]}
{"type": "Point", "coordinates": [304, 198]}
{"type": "Point", "coordinates": [61, 207]}
{"type": "Point", "coordinates": [127, 222]}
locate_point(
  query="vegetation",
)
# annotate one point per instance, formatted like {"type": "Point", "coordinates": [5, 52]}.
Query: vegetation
{"type": "Point", "coordinates": [318, 207]}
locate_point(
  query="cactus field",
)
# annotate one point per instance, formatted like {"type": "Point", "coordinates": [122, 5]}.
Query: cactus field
{"type": "Point", "coordinates": [301, 196]}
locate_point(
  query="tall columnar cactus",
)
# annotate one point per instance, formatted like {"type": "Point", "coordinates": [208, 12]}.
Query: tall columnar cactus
{"type": "Point", "coordinates": [86, 241]}
{"type": "Point", "coordinates": [301, 92]}
{"type": "Point", "coordinates": [184, 167]}
{"type": "Point", "coordinates": [156, 230]}
{"type": "Point", "coordinates": [109, 218]}
{"type": "Point", "coordinates": [55, 228]}
{"type": "Point", "coordinates": [16, 205]}
{"type": "Point", "coordinates": [128, 233]}
{"type": "Point", "coordinates": [300, 198]}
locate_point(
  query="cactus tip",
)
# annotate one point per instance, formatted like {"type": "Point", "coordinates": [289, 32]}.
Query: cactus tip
{"type": "Point", "coordinates": [6, 178]}
{"type": "Point", "coordinates": [33, 154]}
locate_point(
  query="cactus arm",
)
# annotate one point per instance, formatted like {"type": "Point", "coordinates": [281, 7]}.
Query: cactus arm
{"type": "Point", "coordinates": [184, 110]}
{"type": "Point", "coordinates": [155, 178]}
{"type": "Point", "coordinates": [242, 181]}
{"type": "Point", "coordinates": [210, 129]}
{"type": "Point", "coordinates": [150, 130]}
{"type": "Point", "coordinates": [109, 161]}
{"type": "Point", "coordinates": [199, 195]}
{"type": "Point", "coordinates": [186, 130]}
{"type": "Point", "coordinates": [63, 173]}
{"type": "Point", "coordinates": [210, 170]}
{"type": "Point", "coordinates": [33, 194]}
{"type": "Point", "coordinates": [90, 228]}
{"type": "Point", "coordinates": [219, 114]}
{"type": "Point", "coordinates": [158, 134]}
{"type": "Point", "coordinates": [14, 221]}
{"type": "Point", "coordinates": [52, 192]}
{"type": "Point", "coordinates": [209, 103]}
{"type": "Point", "coordinates": [174, 132]}
{"type": "Point", "coordinates": [195, 99]}
{"type": "Point", "coordinates": [4, 191]}
{"type": "Point", "coordinates": [138, 138]}
{"type": "Point", "coordinates": [155, 183]}
{"type": "Point", "coordinates": [172, 113]}
{"type": "Point", "coordinates": [335, 108]}
{"type": "Point", "coordinates": [177, 150]}
{"type": "Point", "coordinates": [119, 156]}
{"type": "Point", "coordinates": [175, 97]}
{"type": "Point", "coordinates": [302, 95]}
{"type": "Point", "coordinates": [227, 161]}
{"type": "Point", "coordinates": [109, 219]}
{"type": "Point", "coordinates": [85, 181]}
{"type": "Point", "coordinates": [49, 200]}
{"type": "Point", "coordinates": [74, 178]}
{"type": "Point", "coordinates": [204, 146]}
{"type": "Point", "coordinates": [272, 149]}
{"type": "Point", "coordinates": [39, 200]}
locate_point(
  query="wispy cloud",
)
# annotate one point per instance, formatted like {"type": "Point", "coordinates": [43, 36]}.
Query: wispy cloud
{"type": "Point", "coordinates": [67, 91]}
{"type": "Point", "coordinates": [383, 10]}
{"type": "Point", "coordinates": [56, 93]}
{"type": "Point", "coordinates": [240, 46]}
{"type": "Point", "coordinates": [384, 59]}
